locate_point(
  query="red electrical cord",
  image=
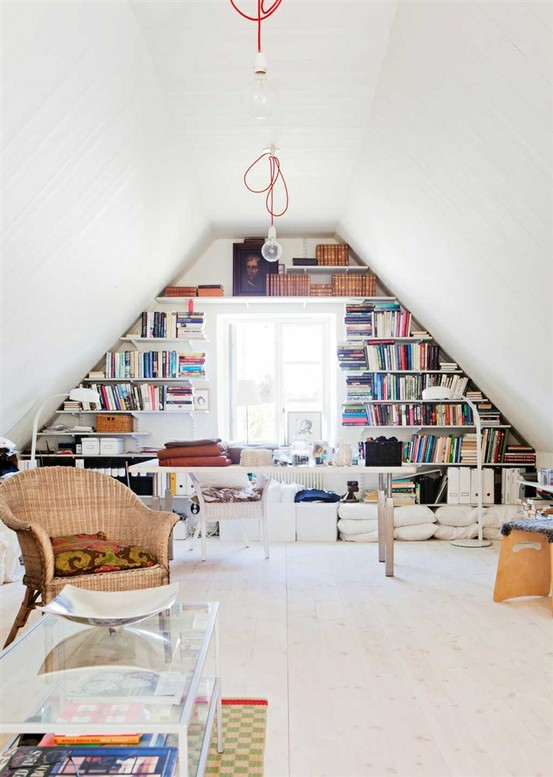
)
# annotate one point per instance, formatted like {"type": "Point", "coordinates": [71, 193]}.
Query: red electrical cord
{"type": "Point", "coordinates": [262, 14]}
{"type": "Point", "coordinates": [275, 173]}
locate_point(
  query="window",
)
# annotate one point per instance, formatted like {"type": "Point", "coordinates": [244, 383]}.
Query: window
{"type": "Point", "coordinates": [275, 365]}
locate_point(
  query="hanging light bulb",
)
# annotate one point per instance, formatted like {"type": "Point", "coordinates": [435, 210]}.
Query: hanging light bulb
{"type": "Point", "coordinates": [260, 97]}
{"type": "Point", "coordinates": [271, 250]}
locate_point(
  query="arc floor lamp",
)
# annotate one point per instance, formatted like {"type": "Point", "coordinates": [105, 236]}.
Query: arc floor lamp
{"type": "Point", "coordinates": [440, 393]}
{"type": "Point", "coordinates": [77, 395]}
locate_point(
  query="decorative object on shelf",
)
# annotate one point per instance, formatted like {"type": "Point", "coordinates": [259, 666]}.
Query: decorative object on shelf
{"type": "Point", "coordinates": [246, 394]}
{"type": "Point", "coordinates": [111, 608]}
{"type": "Point", "coordinates": [304, 425]}
{"type": "Point", "coordinates": [114, 423]}
{"type": "Point", "coordinates": [353, 488]}
{"type": "Point", "coordinates": [201, 399]}
{"type": "Point", "coordinates": [271, 251]}
{"type": "Point", "coordinates": [260, 97]}
{"type": "Point", "coordinates": [436, 393]}
{"type": "Point", "coordinates": [84, 396]}
{"type": "Point", "coordinates": [249, 271]}
{"type": "Point", "coordinates": [384, 451]}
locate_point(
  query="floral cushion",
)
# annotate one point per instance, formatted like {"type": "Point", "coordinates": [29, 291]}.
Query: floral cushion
{"type": "Point", "coordinates": [84, 554]}
{"type": "Point", "coordinates": [226, 494]}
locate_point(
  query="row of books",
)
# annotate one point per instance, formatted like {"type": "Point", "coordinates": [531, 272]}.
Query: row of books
{"type": "Point", "coordinates": [154, 364]}
{"type": "Point", "coordinates": [202, 290]}
{"type": "Point", "coordinates": [353, 285]}
{"type": "Point", "coordinates": [373, 322]}
{"type": "Point", "coordinates": [390, 386]}
{"type": "Point", "coordinates": [175, 324]}
{"type": "Point", "coordinates": [145, 396]}
{"type": "Point", "coordinates": [455, 449]}
{"type": "Point", "coordinates": [43, 761]}
{"type": "Point", "coordinates": [416, 414]}
{"type": "Point", "coordinates": [332, 254]}
{"type": "Point", "coordinates": [294, 285]}
{"type": "Point", "coordinates": [402, 356]}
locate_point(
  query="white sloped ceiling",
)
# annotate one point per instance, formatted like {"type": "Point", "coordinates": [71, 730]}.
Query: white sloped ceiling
{"type": "Point", "coordinates": [419, 132]}
{"type": "Point", "coordinates": [98, 204]}
{"type": "Point", "coordinates": [451, 204]}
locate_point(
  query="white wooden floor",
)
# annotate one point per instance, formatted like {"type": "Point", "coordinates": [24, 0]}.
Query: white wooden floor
{"type": "Point", "coordinates": [368, 676]}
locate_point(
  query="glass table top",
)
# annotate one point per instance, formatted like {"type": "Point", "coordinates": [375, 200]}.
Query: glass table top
{"type": "Point", "coordinates": [148, 674]}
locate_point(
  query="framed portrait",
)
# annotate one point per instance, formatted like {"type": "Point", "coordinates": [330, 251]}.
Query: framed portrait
{"type": "Point", "coordinates": [303, 425]}
{"type": "Point", "coordinates": [250, 270]}
{"type": "Point", "coordinates": [201, 399]}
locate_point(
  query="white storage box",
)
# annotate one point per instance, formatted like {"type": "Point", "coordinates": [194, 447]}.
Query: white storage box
{"type": "Point", "coordinates": [316, 522]}
{"type": "Point", "coordinates": [281, 521]}
{"type": "Point", "coordinates": [90, 446]}
{"type": "Point", "coordinates": [111, 445]}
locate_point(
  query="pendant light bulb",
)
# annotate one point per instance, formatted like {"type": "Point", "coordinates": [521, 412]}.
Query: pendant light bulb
{"type": "Point", "coordinates": [271, 251]}
{"type": "Point", "coordinates": [260, 97]}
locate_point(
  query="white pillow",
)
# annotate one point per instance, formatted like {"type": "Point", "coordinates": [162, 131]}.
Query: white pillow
{"type": "Point", "coordinates": [12, 568]}
{"type": "Point", "coordinates": [444, 532]}
{"type": "Point", "coordinates": [492, 533]}
{"type": "Point", "coordinates": [371, 536]}
{"type": "Point", "coordinates": [409, 515]}
{"type": "Point", "coordinates": [224, 479]}
{"type": "Point", "coordinates": [289, 491]}
{"type": "Point", "coordinates": [454, 515]}
{"type": "Point", "coordinates": [419, 531]}
{"type": "Point", "coordinates": [357, 512]}
{"type": "Point", "coordinates": [495, 515]}
{"type": "Point", "coordinates": [274, 493]}
{"type": "Point", "coordinates": [348, 526]}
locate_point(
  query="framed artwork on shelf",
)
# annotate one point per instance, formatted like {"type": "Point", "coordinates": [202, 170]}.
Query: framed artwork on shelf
{"type": "Point", "coordinates": [250, 270]}
{"type": "Point", "coordinates": [201, 399]}
{"type": "Point", "coordinates": [304, 425]}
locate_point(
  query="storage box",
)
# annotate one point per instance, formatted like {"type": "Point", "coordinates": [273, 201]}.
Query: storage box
{"type": "Point", "coordinates": [111, 445]}
{"type": "Point", "coordinates": [316, 522]}
{"type": "Point", "coordinates": [114, 423]}
{"type": "Point", "coordinates": [384, 453]}
{"type": "Point", "coordinates": [90, 446]}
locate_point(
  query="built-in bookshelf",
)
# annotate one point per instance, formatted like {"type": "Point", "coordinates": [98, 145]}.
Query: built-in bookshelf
{"type": "Point", "coordinates": [388, 361]}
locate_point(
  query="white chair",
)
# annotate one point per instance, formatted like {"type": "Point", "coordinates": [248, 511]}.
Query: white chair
{"type": "Point", "coordinates": [226, 510]}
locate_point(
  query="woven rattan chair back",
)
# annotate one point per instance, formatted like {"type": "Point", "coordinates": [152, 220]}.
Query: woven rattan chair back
{"type": "Point", "coordinates": [56, 501]}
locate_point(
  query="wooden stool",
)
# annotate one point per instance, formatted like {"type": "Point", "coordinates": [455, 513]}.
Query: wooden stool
{"type": "Point", "coordinates": [525, 559]}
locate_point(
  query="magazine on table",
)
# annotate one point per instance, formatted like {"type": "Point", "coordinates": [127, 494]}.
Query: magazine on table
{"type": "Point", "coordinates": [129, 686]}
{"type": "Point", "coordinates": [46, 761]}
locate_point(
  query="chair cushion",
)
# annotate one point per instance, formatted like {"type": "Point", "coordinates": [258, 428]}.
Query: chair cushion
{"type": "Point", "coordinates": [214, 494]}
{"type": "Point", "coordinates": [83, 554]}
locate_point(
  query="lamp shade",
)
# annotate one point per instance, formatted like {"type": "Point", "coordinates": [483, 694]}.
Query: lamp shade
{"type": "Point", "coordinates": [84, 395]}
{"type": "Point", "coordinates": [436, 393]}
{"type": "Point", "coordinates": [246, 393]}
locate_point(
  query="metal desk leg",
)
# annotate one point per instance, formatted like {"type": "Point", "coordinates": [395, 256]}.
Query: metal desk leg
{"type": "Point", "coordinates": [168, 505]}
{"type": "Point", "coordinates": [389, 536]}
{"type": "Point", "coordinates": [381, 519]}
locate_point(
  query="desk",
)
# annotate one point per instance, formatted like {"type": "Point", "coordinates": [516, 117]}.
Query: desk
{"type": "Point", "coordinates": [385, 501]}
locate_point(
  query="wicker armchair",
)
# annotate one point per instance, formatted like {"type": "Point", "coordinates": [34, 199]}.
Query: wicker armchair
{"type": "Point", "coordinates": [57, 501]}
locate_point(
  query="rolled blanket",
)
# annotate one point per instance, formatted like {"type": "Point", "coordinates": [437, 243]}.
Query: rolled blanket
{"type": "Point", "coordinates": [191, 443]}
{"type": "Point", "coordinates": [211, 449]}
{"type": "Point", "coordinates": [195, 461]}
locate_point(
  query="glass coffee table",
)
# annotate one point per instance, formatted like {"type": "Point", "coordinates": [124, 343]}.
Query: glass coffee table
{"type": "Point", "coordinates": [159, 677]}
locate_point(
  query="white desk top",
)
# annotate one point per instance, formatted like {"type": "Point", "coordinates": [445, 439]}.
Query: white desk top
{"type": "Point", "coordinates": [151, 467]}
{"type": "Point", "coordinates": [539, 486]}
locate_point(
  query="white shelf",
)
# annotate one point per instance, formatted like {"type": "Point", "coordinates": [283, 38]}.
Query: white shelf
{"type": "Point", "coordinates": [138, 339]}
{"type": "Point", "coordinates": [121, 412]}
{"type": "Point", "coordinates": [90, 455]}
{"type": "Point", "coordinates": [139, 380]}
{"type": "Point", "coordinates": [270, 300]}
{"type": "Point", "coordinates": [70, 433]}
{"type": "Point", "coordinates": [532, 484]}
{"type": "Point", "coordinates": [322, 269]}
{"type": "Point", "coordinates": [407, 372]}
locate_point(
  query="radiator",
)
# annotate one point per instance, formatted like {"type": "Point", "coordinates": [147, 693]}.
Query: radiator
{"type": "Point", "coordinates": [307, 479]}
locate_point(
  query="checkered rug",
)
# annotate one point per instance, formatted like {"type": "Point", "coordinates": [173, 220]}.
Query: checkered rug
{"type": "Point", "coordinates": [244, 738]}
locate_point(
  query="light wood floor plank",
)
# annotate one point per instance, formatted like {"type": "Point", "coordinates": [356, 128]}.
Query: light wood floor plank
{"type": "Point", "coordinates": [367, 676]}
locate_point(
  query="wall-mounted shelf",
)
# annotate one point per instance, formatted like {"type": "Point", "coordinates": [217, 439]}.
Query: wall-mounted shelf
{"type": "Point", "coordinates": [70, 433]}
{"type": "Point", "coordinates": [144, 380]}
{"type": "Point", "coordinates": [266, 300]}
{"type": "Point", "coordinates": [138, 339]}
{"type": "Point", "coordinates": [321, 269]}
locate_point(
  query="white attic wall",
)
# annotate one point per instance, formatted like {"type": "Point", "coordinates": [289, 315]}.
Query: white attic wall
{"type": "Point", "coordinates": [451, 205]}
{"type": "Point", "coordinates": [98, 207]}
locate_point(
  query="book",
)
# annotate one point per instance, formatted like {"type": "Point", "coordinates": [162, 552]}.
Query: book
{"type": "Point", "coordinates": [44, 761]}
{"type": "Point", "coordinates": [51, 740]}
